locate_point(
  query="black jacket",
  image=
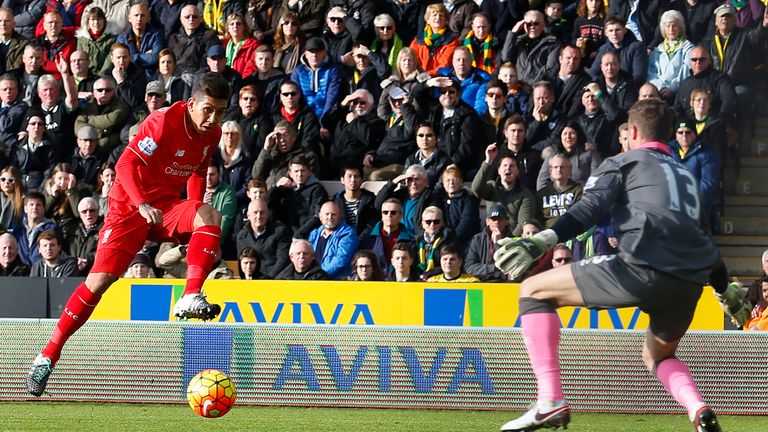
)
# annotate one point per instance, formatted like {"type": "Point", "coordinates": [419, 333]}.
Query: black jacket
{"type": "Point", "coordinates": [298, 208]}
{"type": "Point", "coordinates": [12, 122]}
{"type": "Point", "coordinates": [699, 19]}
{"type": "Point", "coordinates": [718, 85]}
{"type": "Point", "coordinates": [314, 273]}
{"type": "Point", "coordinates": [423, 201]}
{"type": "Point", "coordinates": [82, 242]}
{"type": "Point", "coordinates": [351, 141]}
{"type": "Point", "coordinates": [399, 139]}
{"type": "Point", "coordinates": [458, 136]}
{"type": "Point", "coordinates": [271, 246]}
{"type": "Point", "coordinates": [435, 165]}
{"type": "Point", "coordinates": [648, 13]}
{"type": "Point", "coordinates": [479, 257]}
{"type": "Point", "coordinates": [462, 213]}
{"type": "Point", "coordinates": [254, 130]}
{"type": "Point", "coordinates": [192, 50]}
{"type": "Point", "coordinates": [372, 76]}
{"type": "Point", "coordinates": [307, 124]}
{"type": "Point", "coordinates": [568, 93]}
{"type": "Point", "coordinates": [528, 163]}
{"type": "Point", "coordinates": [367, 215]}
{"type": "Point", "coordinates": [740, 54]}
{"type": "Point", "coordinates": [86, 168]}
{"type": "Point", "coordinates": [600, 129]}
{"type": "Point", "coordinates": [621, 100]}
{"type": "Point", "coordinates": [15, 269]}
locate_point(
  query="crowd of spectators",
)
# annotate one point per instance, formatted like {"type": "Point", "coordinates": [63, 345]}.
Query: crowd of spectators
{"type": "Point", "coordinates": [479, 119]}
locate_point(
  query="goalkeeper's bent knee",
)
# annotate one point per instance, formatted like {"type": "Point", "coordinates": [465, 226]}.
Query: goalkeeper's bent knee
{"type": "Point", "coordinates": [530, 305]}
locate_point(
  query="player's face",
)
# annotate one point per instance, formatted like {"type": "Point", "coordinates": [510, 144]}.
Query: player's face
{"type": "Point", "coordinates": [248, 265]}
{"type": "Point", "coordinates": [401, 261]}
{"type": "Point", "coordinates": [206, 113]}
{"type": "Point", "coordinates": [8, 251]}
{"type": "Point", "coordinates": [364, 268]}
{"type": "Point", "coordinates": [49, 249]}
{"type": "Point", "coordinates": [352, 180]}
{"type": "Point", "coordinates": [450, 264]}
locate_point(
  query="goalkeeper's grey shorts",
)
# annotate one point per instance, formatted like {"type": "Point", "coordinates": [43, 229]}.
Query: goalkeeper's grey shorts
{"type": "Point", "coordinates": [607, 281]}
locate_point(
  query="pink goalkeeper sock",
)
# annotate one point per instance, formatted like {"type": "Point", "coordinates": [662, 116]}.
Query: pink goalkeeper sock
{"type": "Point", "coordinates": [678, 381]}
{"type": "Point", "coordinates": [541, 334]}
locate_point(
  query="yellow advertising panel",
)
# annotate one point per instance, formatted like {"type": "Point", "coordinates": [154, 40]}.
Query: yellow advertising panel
{"type": "Point", "coordinates": [367, 303]}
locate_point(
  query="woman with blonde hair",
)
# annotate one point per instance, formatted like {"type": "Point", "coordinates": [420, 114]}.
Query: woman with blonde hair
{"type": "Point", "coordinates": [434, 47]}
{"type": "Point", "coordinates": [12, 197]}
{"type": "Point", "coordinates": [239, 45]}
{"type": "Point", "coordinates": [407, 75]}
{"type": "Point", "coordinates": [235, 167]}
{"type": "Point", "coordinates": [289, 43]}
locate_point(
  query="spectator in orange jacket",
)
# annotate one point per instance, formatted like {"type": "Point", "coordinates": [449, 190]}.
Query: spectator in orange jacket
{"type": "Point", "coordinates": [434, 48]}
{"type": "Point", "coordinates": [759, 319]}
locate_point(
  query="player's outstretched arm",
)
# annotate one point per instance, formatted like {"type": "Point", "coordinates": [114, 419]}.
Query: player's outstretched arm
{"type": "Point", "coordinates": [516, 254]}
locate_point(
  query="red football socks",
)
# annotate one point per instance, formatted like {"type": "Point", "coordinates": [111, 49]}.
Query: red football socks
{"type": "Point", "coordinates": [201, 254]}
{"type": "Point", "coordinates": [76, 312]}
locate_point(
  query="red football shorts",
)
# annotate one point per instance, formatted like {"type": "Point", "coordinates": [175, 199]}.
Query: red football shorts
{"type": "Point", "coordinates": [125, 232]}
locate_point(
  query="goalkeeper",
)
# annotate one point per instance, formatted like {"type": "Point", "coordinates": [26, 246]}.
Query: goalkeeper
{"type": "Point", "coordinates": [663, 261]}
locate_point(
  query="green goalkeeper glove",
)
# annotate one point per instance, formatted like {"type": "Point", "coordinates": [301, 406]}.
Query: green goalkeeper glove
{"type": "Point", "coordinates": [516, 254]}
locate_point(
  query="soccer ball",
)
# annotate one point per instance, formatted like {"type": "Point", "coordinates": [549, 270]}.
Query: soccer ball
{"type": "Point", "coordinates": [211, 393]}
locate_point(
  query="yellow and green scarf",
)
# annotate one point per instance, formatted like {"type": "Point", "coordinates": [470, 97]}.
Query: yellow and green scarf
{"type": "Point", "coordinates": [488, 65]}
{"type": "Point", "coordinates": [432, 38]}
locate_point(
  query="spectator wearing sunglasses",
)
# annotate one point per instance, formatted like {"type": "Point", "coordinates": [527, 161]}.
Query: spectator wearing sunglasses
{"type": "Point", "coordinates": [106, 113]}
{"type": "Point", "coordinates": [429, 243]}
{"type": "Point", "coordinates": [388, 232]}
{"type": "Point", "coordinates": [531, 50]}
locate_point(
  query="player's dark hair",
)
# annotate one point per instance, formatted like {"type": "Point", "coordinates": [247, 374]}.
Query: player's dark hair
{"type": "Point", "coordinates": [653, 118]}
{"type": "Point", "coordinates": [213, 85]}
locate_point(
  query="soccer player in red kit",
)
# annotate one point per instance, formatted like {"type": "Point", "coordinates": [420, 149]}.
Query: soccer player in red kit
{"type": "Point", "coordinates": [172, 149]}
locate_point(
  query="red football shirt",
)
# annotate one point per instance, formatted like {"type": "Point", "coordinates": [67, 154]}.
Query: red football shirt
{"type": "Point", "coordinates": [166, 154]}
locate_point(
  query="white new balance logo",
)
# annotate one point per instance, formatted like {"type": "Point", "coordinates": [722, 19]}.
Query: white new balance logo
{"type": "Point", "coordinates": [179, 153]}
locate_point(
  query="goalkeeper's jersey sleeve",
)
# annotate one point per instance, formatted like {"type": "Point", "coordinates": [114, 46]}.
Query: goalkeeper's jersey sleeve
{"type": "Point", "coordinates": [655, 206]}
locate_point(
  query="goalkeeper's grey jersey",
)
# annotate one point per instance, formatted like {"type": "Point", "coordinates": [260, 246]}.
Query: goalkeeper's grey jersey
{"type": "Point", "coordinates": [655, 206]}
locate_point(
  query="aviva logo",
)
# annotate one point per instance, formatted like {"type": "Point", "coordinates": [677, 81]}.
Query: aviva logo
{"type": "Point", "coordinates": [453, 307]}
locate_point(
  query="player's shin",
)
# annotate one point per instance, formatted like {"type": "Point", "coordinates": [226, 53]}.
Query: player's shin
{"type": "Point", "coordinates": [76, 312]}
{"type": "Point", "coordinates": [678, 381]}
{"type": "Point", "coordinates": [541, 335]}
{"type": "Point", "coordinates": [202, 253]}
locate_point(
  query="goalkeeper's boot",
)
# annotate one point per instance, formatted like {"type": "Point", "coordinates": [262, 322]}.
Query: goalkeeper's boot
{"type": "Point", "coordinates": [195, 306]}
{"type": "Point", "coordinates": [706, 421]}
{"type": "Point", "coordinates": [549, 414]}
{"type": "Point", "coordinates": [735, 303]}
{"type": "Point", "coordinates": [37, 378]}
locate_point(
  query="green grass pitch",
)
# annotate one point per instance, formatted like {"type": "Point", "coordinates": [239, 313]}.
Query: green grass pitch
{"type": "Point", "coordinates": [83, 417]}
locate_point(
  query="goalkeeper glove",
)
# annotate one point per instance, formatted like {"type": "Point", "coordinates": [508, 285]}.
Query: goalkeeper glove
{"type": "Point", "coordinates": [516, 254]}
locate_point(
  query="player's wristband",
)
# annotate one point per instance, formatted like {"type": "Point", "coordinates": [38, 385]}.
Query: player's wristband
{"type": "Point", "coordinates": [547, 237]}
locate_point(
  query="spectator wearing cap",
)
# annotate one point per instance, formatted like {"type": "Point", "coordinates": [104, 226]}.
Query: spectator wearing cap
{"type": "Point", "coordinates": [560, 193]}
{"type": "Point", "coordinates": [457, 125]}
{"type": "Point", "coordinates": [143, 40]}
{"type": "Point", "coordinates": [106, 112]}
{"type": "Point", "coordinates": [365, 69]}
{"type": "Point", "coordinates": [10, 263]}
{"type": "Point", "coordinates": [733, 52]}
{"type": "Point", "coordinates": [337, 37]}
{"type": "Point", "coordinates": [82, 242]}
{"type": "Point", "coordinates": [191, 43]}
{"type": "Point", "coordinates": [704, 162]}
{"type": "Point", "coordinates": [53, 261]}
{"type": "Point", "coordinates": [131, 80]}
{"type": "Point", "coordinates": [482, 246]}
{"type": "Point", "coordinates": [531, 50]}
{"type": "Point", "coordinates": [154, 99]}
{"type": "Point", "coordinates": [386, 161]}
{"type": "Point", "coordinates": [88, 156]}
{"type": "Point", "coordinates": [668, 62]}
{"type": "Point", "coordinates": [356, 131]}
{"type": "Point", "coordinates": [320, 80]}
{"type": "Point", "coordinates": [217, 62]}
{"type": "Point", "coordinates": [473, 81]}
{"type": "Point", "coordinates": [140, 267]}
{"type": "Point", "coordinates": [434, 47]}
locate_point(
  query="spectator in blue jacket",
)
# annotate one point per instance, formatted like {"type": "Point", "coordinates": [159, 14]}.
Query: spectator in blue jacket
{"type": "Point", "coordinates": [633, 56]}
{"type": "Point", "coordinates": [334, 242]}
{"type": "Point", "coordinates": [320, 80]}
{"type": "Point", "coordinates": [701, 161]}
{"type": "Point", "coordinates": [143, 42]}
{"type": "Point", "coordinates": [473, 80]}
{"type": "Point", "coordinates": [32, 225]}
{"type": "Point", "coordinates": [668, 62]}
